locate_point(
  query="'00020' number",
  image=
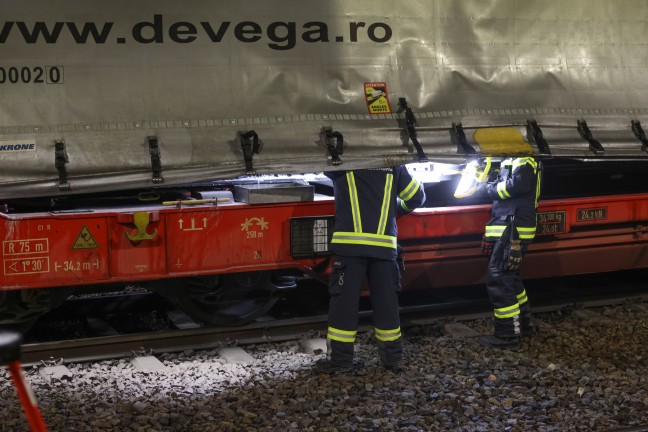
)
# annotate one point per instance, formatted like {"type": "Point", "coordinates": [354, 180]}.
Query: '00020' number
{"type": "Point", "coordinates": [28, 75]}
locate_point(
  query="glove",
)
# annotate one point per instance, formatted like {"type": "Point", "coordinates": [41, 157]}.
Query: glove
{"type": "Point", "coordinates": [516, 253]}
{"type": "Point", "coordinates": [400, 259]}
{"type": "Point", "coordinates": [482, 191]}
{"type": "Point", "coordinates": [487, 247]}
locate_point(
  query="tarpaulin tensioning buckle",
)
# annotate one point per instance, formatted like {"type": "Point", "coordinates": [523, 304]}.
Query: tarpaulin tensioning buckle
{"type": "Point", "coordinates": [411, 130]}
{"type": "Point", "coordinates": [156, 160]}
{"type": "Point", "coordinates": [60, 160]}
{"type": "Point", "coordinates": [338, 149]}
{"type": "Point", "coordinates": [249, 148]}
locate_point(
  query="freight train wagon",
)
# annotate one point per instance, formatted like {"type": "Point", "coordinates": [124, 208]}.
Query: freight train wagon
{"type": "Point", "coordinates": [165, 143]}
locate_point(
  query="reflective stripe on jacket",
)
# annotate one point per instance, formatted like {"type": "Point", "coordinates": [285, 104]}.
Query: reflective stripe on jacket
{"type": "Point", "coordinates": [515, 196]}
{"type": "Point", "coordinates": [366, 204]}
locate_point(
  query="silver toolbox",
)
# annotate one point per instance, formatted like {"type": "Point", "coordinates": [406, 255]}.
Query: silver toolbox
{"type": "Point", "coordinates": [265, 193]}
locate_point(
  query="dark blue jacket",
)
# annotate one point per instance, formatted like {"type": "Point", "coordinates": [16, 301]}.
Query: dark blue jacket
{"type": "Point", "coordinates": [515, 197]}
{"type": "Point", "coordinates": [366, 204]}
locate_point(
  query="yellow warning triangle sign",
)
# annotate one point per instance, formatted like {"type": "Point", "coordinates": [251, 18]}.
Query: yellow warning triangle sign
{"type": "Point", "coordinates": [85, 240]}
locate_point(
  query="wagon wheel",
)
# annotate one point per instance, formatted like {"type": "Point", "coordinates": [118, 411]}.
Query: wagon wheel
{"type": "Point", "coordinates": [19, 310]}
{"type": "Point", "coordinates": [226, 300]}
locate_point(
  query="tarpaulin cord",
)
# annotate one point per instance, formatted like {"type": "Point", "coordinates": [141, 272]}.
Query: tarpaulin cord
{"type": "Point", "coordinates": [594, 145]}
{"type": "Point", "coordinates": [411, 130]}
{"type": "Point", "coordinates": [338, 149]}
{"type": "Point", "coordinates": [534, 131]}
{"type": "Point", "coordinates": [640, 134]}
{"type": "Point", "coordinates": [156, 161]}
{"type": "Point", "coordinates": [457, 136]}
{"type": "Point", "coordinates": [249, 148]}
{"type": "Point", "coordinates": [60, 159]}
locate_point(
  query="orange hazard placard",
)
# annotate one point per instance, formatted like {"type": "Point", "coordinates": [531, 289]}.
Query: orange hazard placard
{"type": "Point", "coordinates": [377, 98]}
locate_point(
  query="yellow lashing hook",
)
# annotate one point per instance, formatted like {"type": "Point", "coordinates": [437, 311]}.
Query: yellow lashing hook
{"type": "Point", "coordinates": [141, 221]}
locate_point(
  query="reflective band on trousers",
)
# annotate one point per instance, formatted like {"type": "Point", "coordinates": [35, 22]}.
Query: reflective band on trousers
{"type": "Point", "coordinates": [364, 239]}
{"type": "Point", "coordinates": [522, 298]}
{"type": "Point", "coordinates": [507, 312]}
{"type": "Point", "coordinates": [526, 233]}
{"type": "Point", "coordinates": [495, 230]}
{"type": "Point", "coordinates": [342, 335]}
{"type": "Point", "coordinates": [387, 335]}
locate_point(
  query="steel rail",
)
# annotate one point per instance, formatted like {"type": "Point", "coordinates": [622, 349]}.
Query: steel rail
{"type": "Point", "coordinates": [125, 345]}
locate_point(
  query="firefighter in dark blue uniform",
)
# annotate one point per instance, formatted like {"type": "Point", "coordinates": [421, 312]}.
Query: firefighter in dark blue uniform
{"type": "Point", "coordinates": [511, 229]}
{"type": "Point", "coordinates": [364, 243]}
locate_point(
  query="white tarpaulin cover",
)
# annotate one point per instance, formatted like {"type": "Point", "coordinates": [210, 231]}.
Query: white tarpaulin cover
{"type": "Point", "coordinates": [101, 95]}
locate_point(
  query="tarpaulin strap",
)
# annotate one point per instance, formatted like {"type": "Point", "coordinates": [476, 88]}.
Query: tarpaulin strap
{"type": "Point", "coordinates": [411, 130]}
{"type": "Point", "coordinates": [338, 149]}
{"type": "Point", "coordinates": [249, 148]}
{"type": "Point", "coordinates": [60, 160]}
{"type": "Point", "coordinates": [457, 136]}
{"type": "Point", "coordinates": [156, 162]}
{"type": "Point", "coordinates": [640, 134]}
{"type": "Point", "coordinates": [594, 145]}
{"type": "Point", "coordinates": [534, 131]}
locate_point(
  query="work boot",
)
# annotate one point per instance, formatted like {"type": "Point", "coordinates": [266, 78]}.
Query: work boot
{"type": "Point", "coordinates": [396, 368]}
{"type": "Point", "coordinates": [528, 330]}
{"type": "Point", "coordinates": [390, 353]}
{"type": "Point", "coordinates": [507, 343]}
{"type": "Point", "coordinates": [325, 366]}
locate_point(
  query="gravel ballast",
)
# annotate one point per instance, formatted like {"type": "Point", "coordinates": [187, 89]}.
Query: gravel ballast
{"type": "Point", "coordinates": [582, 372]}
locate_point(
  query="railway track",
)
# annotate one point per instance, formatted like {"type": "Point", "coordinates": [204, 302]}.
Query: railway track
{"type": "Point", "coordinates": [582, 371]}
{"type": "Point", "coordinates": [274, 330]}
